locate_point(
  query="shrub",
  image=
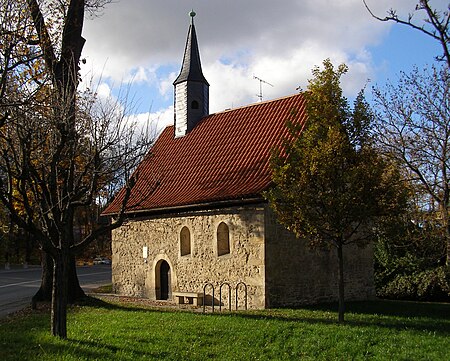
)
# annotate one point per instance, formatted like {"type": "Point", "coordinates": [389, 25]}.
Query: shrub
{"type": "Point", "coordinates": [410, 259]}
{"type": "Point", "coordinates": [428, 285]}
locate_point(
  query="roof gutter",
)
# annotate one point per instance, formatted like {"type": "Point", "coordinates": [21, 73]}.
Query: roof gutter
{"type": "Point", "coordinates": [190, 207]}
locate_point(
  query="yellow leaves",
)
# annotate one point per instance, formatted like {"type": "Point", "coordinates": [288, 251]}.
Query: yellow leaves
{"type": "Point", "coordinates": [20, 198]}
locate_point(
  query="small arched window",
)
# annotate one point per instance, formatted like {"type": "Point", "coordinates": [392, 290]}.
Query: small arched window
{"type": "Point", "coordinates": [223, 239]}
{"type": "Point", "coordinates": [185, 241]}
{"type": "Point", "coordinates": [194, 104]}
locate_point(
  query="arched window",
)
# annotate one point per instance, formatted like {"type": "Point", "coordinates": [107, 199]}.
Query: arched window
{"type": "Point", "coordinates": [185, 241]}
{"type": "Point", "coordinates": [194, 104]}
{"type": "Point", "coordinates": [223, 239]}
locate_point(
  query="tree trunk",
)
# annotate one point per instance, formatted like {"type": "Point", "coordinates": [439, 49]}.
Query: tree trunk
{"type": "Point", "coordinates": [341, 282]}
{"type": "Point", "coordinates": [75, 291]}
{"type": "Point", "coordinates": [446, 261]}
{"type": "Point", "coordinates": [60, 294]}
{"type": "Point", "coordinates": [443, 207]}
{"type": "Point", "coordinates": [44, 294]}
{"type": "Point", "coordinates": [446, 258]}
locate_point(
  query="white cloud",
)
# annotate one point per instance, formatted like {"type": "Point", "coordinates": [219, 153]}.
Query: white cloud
{"type": "Point", "coordinates": [161, 119]}
{"type": "Point", "coordinates": [104, 90]}
{"type": "Point", "coordinates": [166, 85]}
{"type": "Point", "coordinates": [154, 122]}
{"type": "Point", "coordinates": [278, 41]}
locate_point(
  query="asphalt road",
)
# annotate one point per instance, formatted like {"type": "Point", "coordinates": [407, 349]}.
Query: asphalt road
{"type": "Point", "coordinates": [18, 285]}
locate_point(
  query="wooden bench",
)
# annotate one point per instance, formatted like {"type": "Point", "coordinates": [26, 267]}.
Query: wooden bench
{"type": "Point", "coordinates": [193, 298]}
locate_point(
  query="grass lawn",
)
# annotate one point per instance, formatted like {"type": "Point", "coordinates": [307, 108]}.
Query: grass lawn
{"type": "Point", "coordinates": [379, 330]}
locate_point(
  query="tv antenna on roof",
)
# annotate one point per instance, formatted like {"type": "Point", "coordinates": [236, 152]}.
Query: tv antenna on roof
{"type": "Point", "coordinates": [260, 95]}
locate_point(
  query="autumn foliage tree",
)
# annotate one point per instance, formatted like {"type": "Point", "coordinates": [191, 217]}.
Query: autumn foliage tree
{"type": "Point", "coordinates": [59, 148]}
{"type": "Point", "coordinates": [21, 69]}
{"type": "Point", "coordinates": [330, 185]}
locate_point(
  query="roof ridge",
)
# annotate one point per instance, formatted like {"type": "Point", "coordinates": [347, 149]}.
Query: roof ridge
{"type": "Point", "coordinates": [255, 104]}
{"type": "Point", "coordinates": [243, 107]}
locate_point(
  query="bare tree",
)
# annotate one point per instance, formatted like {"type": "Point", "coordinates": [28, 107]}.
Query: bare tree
{"type": "Point", "coordinates": [60, 148]}
{"type": "Point", "coordinates": [435, 23]}
{"type": "Point", "coordinates": [413, 127]}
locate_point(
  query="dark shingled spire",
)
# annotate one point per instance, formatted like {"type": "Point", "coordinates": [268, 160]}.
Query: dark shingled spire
{"type": "Point", "coordinates": [192, 68]}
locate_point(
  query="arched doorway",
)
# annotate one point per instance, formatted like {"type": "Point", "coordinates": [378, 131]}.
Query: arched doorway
{"type": "Point", "coordinates": [163, 291]}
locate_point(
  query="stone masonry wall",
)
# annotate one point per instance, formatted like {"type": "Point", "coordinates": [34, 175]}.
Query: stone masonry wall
{"type": "Point", "coordinates": [133, 275]}
{"type": "Point", "coordinates": [295, 274]}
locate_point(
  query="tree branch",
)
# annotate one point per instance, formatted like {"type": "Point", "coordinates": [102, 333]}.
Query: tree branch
{"type": "Point", "coordinates": [44, 37]}
{"type": "Point", "coordinates": [440, 26]}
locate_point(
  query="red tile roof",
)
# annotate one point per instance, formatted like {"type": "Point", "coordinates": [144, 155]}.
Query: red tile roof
{"type": "Point", "coordinates": [225, 157]}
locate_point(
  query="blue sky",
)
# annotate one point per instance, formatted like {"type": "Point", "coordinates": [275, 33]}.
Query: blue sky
{"type": "Point", "coordinates": [401, 50]}
{"type": "Point", "coordinates": [141, 43]}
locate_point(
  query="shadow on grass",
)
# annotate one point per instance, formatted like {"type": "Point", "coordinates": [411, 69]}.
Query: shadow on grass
{"type": "Point", "coordinates": [396, 315]}
{"type": "Point", "coordinates": [439, 311]}
{"type": "Point", "coordinates": [394, 308]}
{"type": "Point", "coordinates": [86, 348]}
{"type": "Point", "coordinates": [94, 350]}
{"type": "Point", "coordinates": [97, 302]}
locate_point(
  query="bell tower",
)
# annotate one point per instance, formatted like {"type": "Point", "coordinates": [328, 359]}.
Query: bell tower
{"type": "Point", "coordinates": [191, 99]}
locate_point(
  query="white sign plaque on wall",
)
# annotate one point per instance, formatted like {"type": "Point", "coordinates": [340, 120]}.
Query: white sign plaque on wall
{"type": "Point", "coordinates": [145, 252]}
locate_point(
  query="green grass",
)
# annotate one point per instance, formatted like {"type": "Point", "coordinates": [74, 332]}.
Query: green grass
{"type": "Point", "coordinates": [381, 330]}
{"type": "Point", "coordinates": [103, 289]}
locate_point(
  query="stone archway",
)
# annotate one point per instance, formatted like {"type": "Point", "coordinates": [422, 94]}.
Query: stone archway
{"type": "Point", "coordinates": [163, 281]}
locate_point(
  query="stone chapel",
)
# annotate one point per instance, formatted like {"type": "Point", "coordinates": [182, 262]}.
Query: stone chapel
{"type": "Point", "coordinates": [196, 218]}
